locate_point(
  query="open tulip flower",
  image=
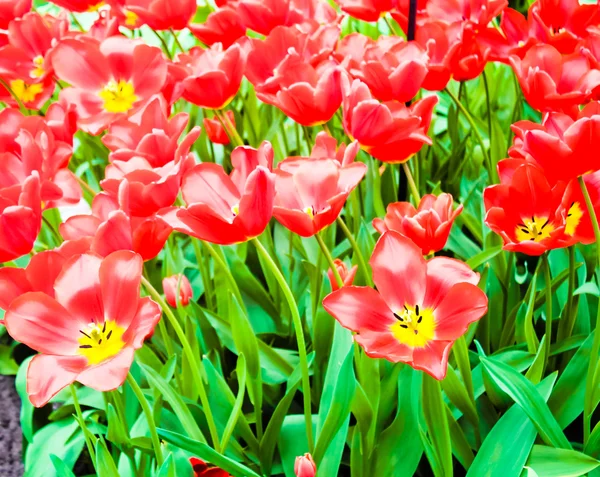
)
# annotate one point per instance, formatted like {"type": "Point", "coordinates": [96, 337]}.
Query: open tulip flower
{"type": "Point", "coordinates": [161, 14]}
{"type": "Point", "coordinates": [91, 328]}
{"type": "Point", "coordinates": [11, 9]}
{"type": "Point", "coordinates": [367, 10]}
{"type": "Point", "coordinates": [222, 26]}
{"type": "Point", "coordinates": [389, 131]}
{"type": "Point", "coordinates": [226, 209]}
{"type": "Point", "coordinates": [428, 226]}
{"type": "Point", "coordinates": [115, 78]}
{"type": "Point", "coordinates": [419, 309]}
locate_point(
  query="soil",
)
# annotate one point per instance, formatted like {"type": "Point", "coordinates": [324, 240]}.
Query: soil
{"type": "Point", "coordinates": [11, 442]}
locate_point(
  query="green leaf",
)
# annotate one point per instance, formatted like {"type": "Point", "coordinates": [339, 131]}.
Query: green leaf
{"type": "Point", "coordinates": [172, 397]}
{"type": "Point", "coordinates": [535, 372]}
{"type": "Point", "coordinates": [61, 468]}
{"type": "Point", "coordinates": [552, 462]}
{"type": "Point", "coordinates": [116, 431]}
{"type": "Point", "coordinates": [483, 257]}
{"type": "Point", "coordinates": [206, 453]}
{"type": "Point", "coordinates": [460, 446]}
{"type": "Point", "coordinates": [501, 452]}
{"type": "Point", "coordinates": [457, 393]}
{"type": "Point", "coordinates": [524, 393]}
{"type": "Point", "coordinates": [26, 407]}
{"type": "Point", "coordinates": [105, 465]}
{"type": "Point", "coordinates": [168, 468]}
{"type": "Point", "coordinates": [434, 412]}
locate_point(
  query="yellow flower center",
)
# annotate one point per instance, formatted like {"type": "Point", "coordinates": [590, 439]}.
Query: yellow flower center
{"type": "Point", "coordinates": [25, 92]}
{"type": "Point", "coordinates": [100, 341]}
{"type": "Point", "coordinates": [118, 97]}
{"type": "Point", "coordinates": [414, 327]}
{"type": "Point", "coordinates": [131, 18]}
{"type": "Point", "coordinates": [310, 211]}
{"type": "Point", "coordinates": [573, 218]}
{"type": "Point", "coordinates": [536, 229]}
{"type": "Point", "coordinates": [39, 70]}
{"type": "Point", "coordinates": [235, 210]}
{"type": "Point", "coordinates": [98, 6]}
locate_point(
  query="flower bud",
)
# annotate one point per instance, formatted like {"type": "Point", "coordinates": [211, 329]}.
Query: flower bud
{"type": "Point", "coordinates": [170, 285]}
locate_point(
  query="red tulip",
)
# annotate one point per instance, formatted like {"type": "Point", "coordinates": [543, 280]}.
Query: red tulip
{"type": "Point", "coordinates": [526, 211]}
{"type": "Point", "coordinates": [11, 9]}
{"type": "Point", "coordinates": [263, 16]}
{"type": "Point", "coordinates": [110, 227]}
{"type": "Point", "coordinates": [202, 469]}
{"type": "Point", "coordinates": [563, 147]}
{"type": "Point", "coordinates": [366, 10]}
{"type": "Point", "coordinates": [215, 131]}
{"type": "Point", "coordinates": [90, 330]}
{"type": "Point", "coordinates": [551, 81]}
{"type": "Point", "coordinates": [391, 67]}
{"type": "Point", "coordinates": [222, 26]}
{"type": "Point", "coordinates": [291, 70]}
{"type": "Point", "coordinates": [226, 209]}
{"type": "Point", "coordinates": [153, 184]}
{"type": "Point", "coordinates": [27, 144]}
{"type": "Point", "coordinates": [311, 192]}
{"type": "Point", "coordinates": [419, 309]}
{"type": "Point", "coordinates": [305, 466]}
{"type": "Point", "coordinates": [61, 118]}
{"type": "Point", "coordinates": [174, 284]}
{"type": "Point", "coordinates": [20, 218]}
{"type": "Point", "coordinates": [428, 226]}
{"type": "Point", "coordinates": [163, 14]}
{"type": "Point", "coordinates": [479, 12]}
{"type": "Point", "coordinates": [39, 275]}
{"type": "Point", "coordinates": [115, 78]}
{"type": "Point", "coordinates": [80, 5]}
{"type": "Point", "coordinates": [389, 131]}
{"type": "Point", "coordinates": [476, 46]}
{"type": "Point", "coordinates": [346, 275]}
{"type": "Point", "coordinates": [105, 26]}
{"type": "Point", "coordinates": [213, 75]}
{"type": "Point", "coordinates": [326, 147]}
{"type": "Point", "coordinates": [520, 34]}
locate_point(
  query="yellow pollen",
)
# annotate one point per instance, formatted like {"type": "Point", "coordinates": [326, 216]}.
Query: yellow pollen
{"type": "Point", "coordinates": [131, 18]}
{"type": "Point", "coordinates": [98, 6]}
{"type": "Point", "coordinates": [25, 92]}
{"type": "Point", "coordinates": [39, 70]}
{"type": "Point", "coordinates": [536, 229]}
{"type": "Point", "coordinates": [521, 43]}
{"type": "Point", "coordinates": [573, 218]}
{"type": "Point", "coordinates": [235, 209]}
{"type": "Point", "coordinates": [118, 97]}
{"type": "Point", "coordinates": [310, 211]}
{"type": "Point", "coordinates": [415, 327]}
{"type": "Point", "coordinates": [101, 341]}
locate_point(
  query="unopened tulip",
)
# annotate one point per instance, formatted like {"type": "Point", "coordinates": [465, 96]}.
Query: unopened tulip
{"type": "Point", "coordinates": [176, 283]}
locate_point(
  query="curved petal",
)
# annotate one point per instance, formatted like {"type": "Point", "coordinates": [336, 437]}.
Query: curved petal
{"type": "Point", "coordinates": [110, 374]}
{"type": "Point", "coordinates": [384, 345]}
{"type": "Point", "coordinates": [256, 205]}
{"type": "Point", "coordinates": [399, 271]}
{"type": "Point", "coordinates": [147, 315]}
{"type": "Point", "coordinates": [359, 309]}
{"type": "Point", "coordinates": [81, 64]}
{"type": "Point", "coordinates": [433, 358]}
{"type": "Point", "coordinates": [43, 269]}
{"type": "Point", "coordinates": [41, 323]}
{"type": "Point", "coordinates": [13, 283]}
{"type": "Point", "coordinates": [442, 274]}
{"type": "Point", "coordinates": [47, 375]}
{"type": "Point", "coordinates": [120, 275]}
{"type": "Point", "coordinates": [113, 235]}
{"type": "Point", "coordinates": [77, 288]}
{"type": "Point", "coordinates": [463, 304]}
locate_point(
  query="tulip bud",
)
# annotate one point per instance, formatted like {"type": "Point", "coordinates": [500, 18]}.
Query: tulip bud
{"type": "Point", "coordinates": [305, 466]}
{"type": "Point", "coordinates": [346, 275]}
{"type": "Point", "coordinates": [215, 131]}
{"type": "Point", "coordinates": [170, 285]}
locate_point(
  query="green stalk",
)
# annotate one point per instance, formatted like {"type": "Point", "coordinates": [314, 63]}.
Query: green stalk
{"type": "Point", "coordinates": [181, 48]}
{"type": "Point", "coordinates": [221, 263]}
{"type": "Point", "coordinates": [164, 44]}
{"type": "Point", "coordinates": [291, 301]}
{"type": "Point", "coordinates": [236, 138]}
{"type": "Point", "coordinates": [187, 349]}
{"type": "Point", "coordinates": [588, 402]}
{"type": "Point", "coordinates": [565, 327]}
{"type": "Point", "coordinates": [149, 417]}
{"type": "Point", "coordinates": [355, 247]}
{"type": "Point", "coordinates": [329, 258]}
{"type": "Point", "coordinates": [471, 122]}
{"type": "Point", "coordinates": [86, 432]}
{"type": "Point", "coordinates": [488, 104]}
{"type": "Point", "coordinates": [548, 281]}
{"type": "Point", "coordinates": [414, 190]}
{"type": "Point", "coordinates": [204, 273]}
{"type": "Point", "coordinates": [22, 107]}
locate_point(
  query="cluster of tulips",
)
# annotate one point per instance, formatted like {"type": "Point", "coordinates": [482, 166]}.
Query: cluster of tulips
{"type": "Point", "coordinates": [72, 287]}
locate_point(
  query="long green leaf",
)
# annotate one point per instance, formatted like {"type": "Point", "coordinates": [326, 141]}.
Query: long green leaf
{"type": "Point", "coordinates": [434, 412]}
{"type": "Point", "coordinates": [552, 462]}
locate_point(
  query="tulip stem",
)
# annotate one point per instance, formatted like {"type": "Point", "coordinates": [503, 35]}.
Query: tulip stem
{"type": "Point", "coordinates": [414, 191]}
{"type": "Point", "coordinates": [357, 252]}
{"type": "Point", "coordinates": [329, 259]}
{"type": "Point", "coordinates": [548, 280]}
{"type": "Point", "coordinates": [221, 263]}
{"type": "Point", "coordinates": [187, 349]}
{"type": "Point", "coordinates": [229, 127]}
{"type": "Point", "coordinates": [588, 402]}
{"type": "Point", "coordinates": [471, 122]}
{"type": "Point", "coordinates": [181, 48]}
{"type": "Point", "coordinates": [164, 44]}
{"type": "Point", "coordinates": [565, 325]}
{"type": "Point", "coordinates": [488, 104]}
{"type": "Point", "coordinates": [149, 417]}
{"type": "Point", "coordinates": [88, 436]}
{"type": "Point", "coordinates": [291, 301]}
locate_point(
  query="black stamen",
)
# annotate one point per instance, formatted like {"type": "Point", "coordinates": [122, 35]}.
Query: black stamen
{"type": "Point", "coordinates": [525, 230]}
{"type": "Point", "coordinates": [85, 334]}
{"type": "Point", "coordinates": [417, 309]}
{"type": "Point", "coordinates": [532, 218]}
{"type": "Point", "coordinates": [104, 327]}
{"type": "Point", "coordinates": [405, 308]}
{"type": "Point", "coordinates": [100, 341]}
{"type": "Point", "coordinates": [398, 317]}
{"type": "Point", "coordinates": [85, 346]}
{"type": "Point", "coordinates": [403, 326]}
{"type": "Point", "coordinates": [521, 224]}
{"type": "Point", "coordinates": [108, 335]}
{"type": "Point", "coordinates": [545, 223]}
{"type": "Point", "coordinates": [416, 332]}
{"type": "Point", "coordinates": [419, 320]}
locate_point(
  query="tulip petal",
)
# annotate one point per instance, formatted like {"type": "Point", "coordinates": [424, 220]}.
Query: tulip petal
{"type": "Point", "coordinates": [147, 315]}
{"type": "Point", "coordinates": [110, 374]}
{"type": "Point", "coordinates": [256, 205]}
{"type": "Point", "coordinates": [433, 358]}
{"type": "Point", "coordinates": [463, 304]}
{"type": "Point", "coordinates": [13, 283]}
{"type": "Point", "coordinates": [48, 374]}
{"type": "Point", "coordinates": [442, 274]}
